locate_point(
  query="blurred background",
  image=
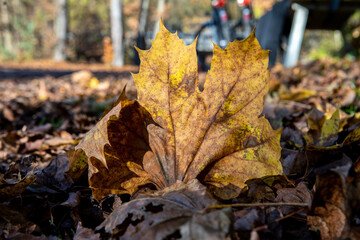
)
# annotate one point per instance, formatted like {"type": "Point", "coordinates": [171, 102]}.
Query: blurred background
{"type": "Point", "coordinates": [81, 30]}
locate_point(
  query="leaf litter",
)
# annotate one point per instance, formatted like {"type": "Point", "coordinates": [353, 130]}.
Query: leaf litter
{"type": "Point", "coordinates": [182, 161]}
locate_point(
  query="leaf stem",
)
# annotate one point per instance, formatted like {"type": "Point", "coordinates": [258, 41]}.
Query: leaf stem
{"type": "Point", "coordinates": [257, 205]}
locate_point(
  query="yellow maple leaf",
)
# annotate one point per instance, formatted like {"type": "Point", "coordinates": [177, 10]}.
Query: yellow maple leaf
{"type": "Point", "coordinates": [215, 135]}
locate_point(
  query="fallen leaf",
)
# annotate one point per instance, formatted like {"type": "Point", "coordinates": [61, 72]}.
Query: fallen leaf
{"type": "Point", "coordinates": [93, 83]}
{"type": "Point", "coordinates": [53, 177]}
{"type": "Point", "coordinates": [85, 233]}
{"type": "Point", "coordinates": [41, 129]}
{"type": "Point", "coordinates": [117, 143]}
{"type": "Point", "coordinates": [294, 162]}
{"type": "Point", "coordinates": [325, 134]}
{"type": "Point", "coordinates": [263, 189]}
{"type": "Point", "coordinates": [298, 94]}
{"type": "Point", "coordinates": [215, 135]}
{"type": "Point", "coordinates": [64, 139]}
{"type": "Point", "coordinates": [83, 76]}
{"type": "Point", "coordinates": [299, 194]}
{"type": "Point", "coordinates": [246, 219]}
{"type": "Point", "coordinates": [18, 235]}
{"type": "Point", "coordinates": [259, 191]}
{"type": "Point", "coordinates": [335, 208]}
{"type": "Point", "coordinates": [33, 145]}
{"type": "Point", "coordinates": [8, 114]}
{"type": "Point", "coordinates": [330, 208]}
{"type": "Point", "coordinates": [315, 119]}
{"type": "Point", "coordinates": [173, 211]}
{"type": "Point", "coordinates": [329, 130]}
{"type": "Point", "coordinates": [348, 98]}
{"type": "Point", "coordinates": [43, 93]}
{"type": "Point", "coordinates": [78, 164]}
{"type": "Point", "coordinates": [9, 191]}
{"type": "Point", "coordinates": [353, 136]}
{"type": "Point", "coordinates": [219, 126]}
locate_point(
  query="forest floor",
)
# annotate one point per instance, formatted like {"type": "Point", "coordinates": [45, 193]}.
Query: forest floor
{"type": "Point", "coordinates": [46, 108]}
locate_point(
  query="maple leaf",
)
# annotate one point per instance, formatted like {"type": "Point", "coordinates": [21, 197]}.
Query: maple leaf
{"type": "Point", "coordinates": [215, 135]}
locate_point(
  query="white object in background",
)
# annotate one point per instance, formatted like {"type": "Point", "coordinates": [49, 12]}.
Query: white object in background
{"type": "Point", "coordinates": [117, 32]}
{"type": "Point", "coordinates": [296, 35]}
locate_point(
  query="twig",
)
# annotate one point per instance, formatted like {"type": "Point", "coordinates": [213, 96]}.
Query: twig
{"type": "Point", "coordinates": [260, 228]}
{"type": "Point", "coordinates": [257, 205]}
{"type": "Point", "coordinates": [288, 215]}
{"type": "Point", "coordinates": [266, 226]}
{"type": "Point", "coordinates": [307, 165]}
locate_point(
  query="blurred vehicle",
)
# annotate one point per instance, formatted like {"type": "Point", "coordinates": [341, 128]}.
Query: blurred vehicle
{"type": "Point", "coordinates": [280, 30]}
{"type": "Point", "coordinates": [273, 29]}
{"type": "Point", "coordinates": [276, 25]}
{"type": "Point", "coordinates": [220, 31]}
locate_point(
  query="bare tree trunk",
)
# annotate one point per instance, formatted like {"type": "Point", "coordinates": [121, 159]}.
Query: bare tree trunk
{"type": "Point", "coordinates": [61, 30]}
{"type": "Point", "coordinates": [140, 41]}
{"type": "Point", "coordinates": [143, 16]}
{"type": "Point", "coordinates": [5, 22]}
{"type": "Point", "coordinates": [160, 11]}
{"type": "Point", "coordinates": [117, 32]}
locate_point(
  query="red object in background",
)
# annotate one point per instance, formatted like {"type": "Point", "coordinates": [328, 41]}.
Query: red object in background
{"type": "Point", "coordinates": [243, 2]}
{"type": "Point", "coordinates": [223, 16]}
{"type": "Point", "coordinates": [218, 3]}
{"type": "Point", "coordinates": [246, 14]}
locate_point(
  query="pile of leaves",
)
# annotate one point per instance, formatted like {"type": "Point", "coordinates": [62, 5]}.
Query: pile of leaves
{"type": "Point", "coordinates": [43, 113]}
{"type": "Point", "coordinates": [194, 156]}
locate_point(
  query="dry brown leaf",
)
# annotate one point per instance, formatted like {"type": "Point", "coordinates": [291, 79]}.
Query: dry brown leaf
{"type": "Point", "coordinates": [174, 211]}
{"type": "Point", "coordinates": [85, 233]}
{"type": "Point", "coordinates": [9, 191]}
{"type": "Point", "coordinates": [299, 194]}
{"type": "Point", "coordinates": [118, 142]}
{"type": "Point", "coordinates": [53, 176]}
{"type": "Point", "coordinates": [336, 204]}
{"type": "Point", "coordinates": [298, 94]}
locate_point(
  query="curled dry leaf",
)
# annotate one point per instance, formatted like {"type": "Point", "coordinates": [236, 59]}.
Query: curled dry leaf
{"type": "Point", "coordinates": [215, 135]}
{"type": "Point", "coordinates": [336, 205]}
{"type": "Point", "coordinates": [115, 145]}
